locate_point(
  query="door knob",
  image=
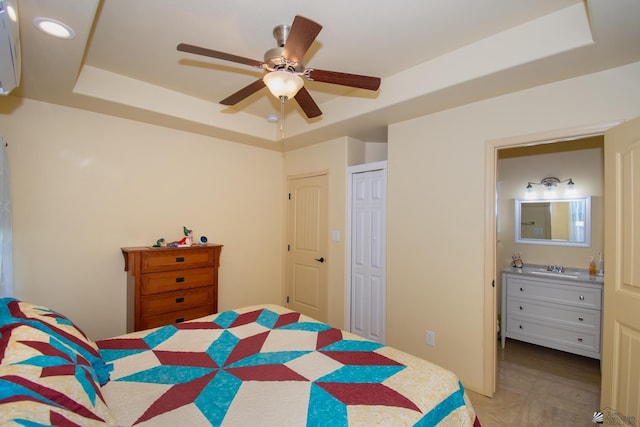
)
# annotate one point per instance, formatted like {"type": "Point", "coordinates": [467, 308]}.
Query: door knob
{"type": "Point", "coordinates": [321, 259]}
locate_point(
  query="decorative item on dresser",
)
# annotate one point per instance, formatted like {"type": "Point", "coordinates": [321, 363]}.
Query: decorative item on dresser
{"type": "Point", "coordinates": [561, 310]}
{"type": "Point", "coordinates": [170, 285]}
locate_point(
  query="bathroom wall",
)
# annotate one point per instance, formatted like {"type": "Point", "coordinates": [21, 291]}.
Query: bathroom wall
{"type": "Point", "coordinates": [581, 160]}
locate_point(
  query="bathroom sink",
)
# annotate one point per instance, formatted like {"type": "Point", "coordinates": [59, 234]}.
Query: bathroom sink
{"type": "Point", "coordinates": [556, 274]}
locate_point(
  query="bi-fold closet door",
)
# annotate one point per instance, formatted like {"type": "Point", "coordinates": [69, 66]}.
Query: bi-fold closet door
{"type": "Point", "coordinates": [368, 205]}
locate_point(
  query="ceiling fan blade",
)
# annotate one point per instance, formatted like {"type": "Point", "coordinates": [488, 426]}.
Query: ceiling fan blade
{"type": "Point", "coordinates": [303, 32]}
{"type": "Point", "coordinates": [183, 47]}
{"type": "Point", "coordinates": [306, 102]}
{"type": "Point", "coordinates": [243, 93]}
{"type": "Point", "coordinates": [344, 79]}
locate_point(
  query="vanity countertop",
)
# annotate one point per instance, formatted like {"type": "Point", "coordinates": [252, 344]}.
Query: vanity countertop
{"type": "Point", "coordinates": [575, 275]}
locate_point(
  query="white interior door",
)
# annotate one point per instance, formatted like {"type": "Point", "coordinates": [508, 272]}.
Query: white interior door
{"type": "Point", "coordinates": [621, 326]}
{"type": "Point", "coordinates": [308, 224]}
{"type": "Point", "coordinates": [368, 252]}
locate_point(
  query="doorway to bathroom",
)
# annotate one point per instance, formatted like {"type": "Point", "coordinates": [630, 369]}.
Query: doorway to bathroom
{"type": "Point", "coordinates": [577, 153]}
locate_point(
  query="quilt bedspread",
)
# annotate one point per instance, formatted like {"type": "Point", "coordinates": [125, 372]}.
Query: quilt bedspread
{"type": "Point", "coordinates": [269, 366]}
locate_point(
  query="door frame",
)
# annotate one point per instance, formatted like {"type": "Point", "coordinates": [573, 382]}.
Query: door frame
{"type": "Point", "coordinates": [351, 170]}
{"type": "Point", "coordinates": [490, 246]}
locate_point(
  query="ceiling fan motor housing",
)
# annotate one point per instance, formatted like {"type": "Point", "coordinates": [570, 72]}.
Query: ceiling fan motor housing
{"type": "Point", "coordinates": [274, 59]}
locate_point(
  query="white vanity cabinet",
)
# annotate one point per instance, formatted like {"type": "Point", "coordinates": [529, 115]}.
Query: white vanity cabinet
{"type": "Point", "coordinates": [564, 314]}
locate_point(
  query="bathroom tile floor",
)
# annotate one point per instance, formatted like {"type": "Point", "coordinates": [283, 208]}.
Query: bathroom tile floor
{"type": "Point", "coordinates": [538, 386]}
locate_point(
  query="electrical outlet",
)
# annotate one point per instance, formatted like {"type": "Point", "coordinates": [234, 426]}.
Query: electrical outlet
{"type": "Point", "coordinates": [431, 338]}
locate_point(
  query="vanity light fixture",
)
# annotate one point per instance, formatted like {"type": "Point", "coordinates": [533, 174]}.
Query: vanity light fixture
{"type": "Point", "coordinates": [54, 28]}
{"type": "Point", "coordinates": [550, 183]}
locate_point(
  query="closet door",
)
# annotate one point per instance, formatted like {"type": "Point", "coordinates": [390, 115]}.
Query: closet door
{"type": "Point", "coordinates": [368, 254]}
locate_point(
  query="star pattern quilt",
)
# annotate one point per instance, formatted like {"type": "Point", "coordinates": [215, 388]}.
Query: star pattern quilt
{"type": "Point", "coordinates": [269, 366]}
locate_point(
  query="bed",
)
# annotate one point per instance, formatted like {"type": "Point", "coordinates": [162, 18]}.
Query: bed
{"type": "Point", "coordinates": [255, 366]}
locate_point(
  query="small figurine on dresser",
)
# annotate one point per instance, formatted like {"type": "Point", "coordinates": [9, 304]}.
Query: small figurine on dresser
{"type": "Point", "coordinates": [160, 243]}
{"type": "Point", "coordinates": [516, 260]}
{"type": "Point", "coordinates": [186, 241]}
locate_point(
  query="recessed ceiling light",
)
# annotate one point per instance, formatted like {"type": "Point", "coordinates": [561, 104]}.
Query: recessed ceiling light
{"type": "Point", "coordinates": [54, 28]}
{"type": "Point", "coordinates": [11, 13]}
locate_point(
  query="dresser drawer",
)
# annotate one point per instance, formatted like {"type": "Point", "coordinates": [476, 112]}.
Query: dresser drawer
{"type": "Point", "coordinates": [165, 260]}
{"type": "Point", "coordinates": [176, 301]}
{"type": "Point", "coordinates": [579, 296]}
{"type": "Point", "coordinates": [153, 283]}
{"type": "Point", "coordinates": [553, 333]}
{"type": "Point", "coordinates": [570, 316]}
{"type": "Point", "coordinates": [174, 317]}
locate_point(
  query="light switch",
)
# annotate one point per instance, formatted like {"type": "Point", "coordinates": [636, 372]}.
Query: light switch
{"type": "Point", "coordinates": [335, 235]}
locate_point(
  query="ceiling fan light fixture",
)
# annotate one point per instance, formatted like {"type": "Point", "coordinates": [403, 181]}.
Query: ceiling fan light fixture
{"type": "Point", "coordinates": [283, 83]}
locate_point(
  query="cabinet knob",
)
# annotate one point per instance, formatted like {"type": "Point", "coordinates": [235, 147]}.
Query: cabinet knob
{"type": "Point", "coordinates": [520, 327]}
{"type": "Point", "coordinates": [181, 299]}
{"type": "Point", "coordinates": [180, 259]}
{"type": "Point", "coordinates": [521, 290]}
{"type": "Point", "coordinates": [579, 339]}
{"type": "Point", "coordinates": [581, 319]}
{"type": "Point", "coordinates": [520, 307]}
{"type": "Point", "coordinates": [581, 297]}
{"type": "Point", "coordinates": [180, 320]}
{"type": "Point", "coordinates": [179, 279]}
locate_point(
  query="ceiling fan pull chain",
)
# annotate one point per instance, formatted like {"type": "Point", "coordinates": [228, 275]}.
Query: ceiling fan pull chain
{"type": "Point", "coordinates": [282, 100]}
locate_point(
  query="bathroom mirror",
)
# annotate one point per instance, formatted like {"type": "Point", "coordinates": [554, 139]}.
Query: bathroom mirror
{"type": "Point", "coordinates": [560, 222]}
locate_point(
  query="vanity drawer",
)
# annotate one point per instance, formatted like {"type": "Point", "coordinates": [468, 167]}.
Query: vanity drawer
{"type": "Point", "coordinates": [174, 317]}
{"type": "Point", "coordinates": [153, 283]}
{"type": "Point", "coordinates": [165, 260]}
{"type": "Point", "coordinates": [570, 316]}
{"type": "Point", "coordinates": [176, 301]}
{"type": "Point", "coordinates": [576, 295]}
{"type": "Point", "coordinates": [553, 334]}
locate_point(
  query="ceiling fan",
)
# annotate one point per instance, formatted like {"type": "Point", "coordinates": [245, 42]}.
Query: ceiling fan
{"type": "Point", "coordinates": [284, 65]}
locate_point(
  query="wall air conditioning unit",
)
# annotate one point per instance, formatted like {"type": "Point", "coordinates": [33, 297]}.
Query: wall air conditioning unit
{"type": "Point", "coordinates": [9, 46]}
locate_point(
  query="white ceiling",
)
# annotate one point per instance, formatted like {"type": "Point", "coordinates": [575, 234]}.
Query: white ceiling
{"type": "Point", "coordinates": [430, 54]}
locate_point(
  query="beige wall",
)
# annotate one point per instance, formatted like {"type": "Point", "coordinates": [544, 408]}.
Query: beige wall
{"type": "Point", "coordinates": [330, 156]}
{"type": "Point", "coordinates": [334, 157]}
{"type": "Point", "coordinates": [436, 207]}
{"type": "Point", "coordinates": [84, 185]}
{"type": "Point", "coordinates": [586, 169]}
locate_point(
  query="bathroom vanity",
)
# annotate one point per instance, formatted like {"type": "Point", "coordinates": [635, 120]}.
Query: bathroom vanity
{"type": "Point", "coordinates": [560, 310]}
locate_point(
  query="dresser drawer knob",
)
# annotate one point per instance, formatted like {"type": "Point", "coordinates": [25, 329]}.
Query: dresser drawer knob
{"type": "Point", "coordinates": [581, 297]}
{"type": "Point", "coordinates": [181, 299]}
{"type": "Point", "coordinates": [581, 319]}
{"type": "Point", "coordinates": [520, 307]}
{"type": "Point", "coordinates": [180, 320]}
{"type": "Point", "coordinates": [521, 290]}
{"type": "Point", "coordinates": [520, 327]}
{"type": "Point", "coordinates": [179, 279]}
{"type": "Point", "coordinates": [180, 259]}
{"type": "Point", "coordinates": [579, 339]}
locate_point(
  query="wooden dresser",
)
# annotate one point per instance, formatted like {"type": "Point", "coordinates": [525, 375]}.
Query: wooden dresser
{"type": "Point", "coordinates": [170, 285]}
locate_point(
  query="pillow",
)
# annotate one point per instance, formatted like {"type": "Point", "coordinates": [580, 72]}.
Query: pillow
{"type": "Point", "coordinates": [53, 323]}
{"type": "Point", "coordinates": [43, 381]}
